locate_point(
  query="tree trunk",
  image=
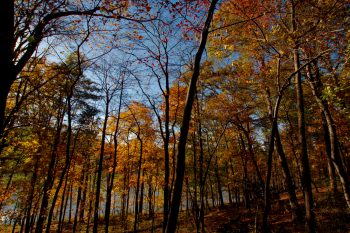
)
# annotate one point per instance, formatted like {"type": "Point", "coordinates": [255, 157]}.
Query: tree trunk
{"type": "Point", "coordinates": [50, 175]}
{"type": "Point", "coordinates": [6, 56]}
{"type": "Point", "coordinates": [333, 139]}
{"type": "Point", "coordinates": [306, 174]}
{"type": "Point", "coordinates": [115, 151]}
{"type": "Point", "coordinates": [297, 211]}
{"type": "Point", "coordinates": [100, 167]}
{"type": "Point", "coordinates": [91, 194]}
{"type": "Point", "coordinates": [216, 169]}
{"type": "Point", "coordinates": [63, 208]}
{"type": "Point", "coordinates": [180, 168]}
{"type": "Point", "coordinates": [252, 156]}
{"type": "Point", "coordinates": [267, 196]}
{"type": "Point", "coordinates": [136, 219]}
{"type": "Point", "coordinates": [67, 161]}
{"type": "Point", "coordinates": [31, 196]}
{"type": "Point", "coordinates": [330, 166]}
{"type": "Point", "coordinates": [85, 191]}
{"type": "Point", "coordinates": [70, 204]}
{"type": "Point", "coordinates": [166, 157]}
{"type": "Point", "coordinates": [282, 156]}
{"type": "Point", "coordinates": [141, 193]}
{"type": "Point", "coordinates": [77, 206]}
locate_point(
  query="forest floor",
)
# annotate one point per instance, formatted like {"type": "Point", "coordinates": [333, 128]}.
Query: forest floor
{"type": "Point", "coordinates": [332, 216]}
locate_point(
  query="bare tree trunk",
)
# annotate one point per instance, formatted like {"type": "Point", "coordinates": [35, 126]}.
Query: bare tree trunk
{"type": "Point", "coordinates": [50, 175]}
{"type": "Point", "coordinates": [77, 206]}
{"type": "Point", "coordinates": [85, 191]}
{"type": "Point", "coordinates": [306, 174]}
{"type": "Point", "coordinates": [180, 168]}
{"type": "Point", "coordinates": [166, 156]}
{"type": "Point", "coordinates": [141, 193]}
{"type": "Point", "coordinates": [31, 196]}
{"type": "Point", "coordinates": [68, 156]}
{"type": "Point", "coordinates": [252, 156]}
{"type": "Point", "coordinates": [100, 167]}
{"type": "Point", "coordinates": [64, 203]}
{"type": "Point", "coordinates": [333, 139]}
{"type": "Point", "coordinates": [115, 141]}
{"type": "Point", "coordinates": [219, 187]}
{"type": "Point", "coordinates": [70, 204]}
{"type": "Point", "coordinates": [282, 157]}
{"type": "Point", "coordinates": [330, 166]}
{"type": "Point", "coordinates": [297, 211]}
{"type": "Point", "coordinates": [136, 219]}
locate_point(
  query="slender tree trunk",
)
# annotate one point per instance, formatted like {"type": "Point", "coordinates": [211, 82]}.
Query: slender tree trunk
{"type": "Point", "coordinates": [292, 145]}
{"type": "Point", "coordinates": [245, 175]}
{"type": "Point", "coordinates": [124, 195]}
{"type": "Point", "coordinates": [150, 208]}
{"type": "Point", "coordinates": [111, 181]}
{"type": "Point", "coordinates": [330, 166]}
{"type": "Point", "coordinates": [100, 167]}
{"type": "Point", "coordinates": [180, 168]}
{"type": "Point", "coordinates": [141, 193]}
{"type": "Point", "coordinates": [70, 204]}
{"type": "Point", "coordinates": [31, 196]}
{"type": "Point", "coordinates": [252, 156]}
{"type": "Point", "coordinates": [68, 159]}
{"type": "Point", "coordinates": [297, 211]}
{"type": "Point", "coordinates": [212, 192]}
{"type": "Point", "coordinates": [83, 201]}
{"type": "Point", "coordinates": [166, 156]}
{"type": "Point", "coordinates": [267, 196]}
{"type": "Point", "coordinates": [201, 176]}
{"type": "Point", "coordinates": [63, 208]}
{"type": "Point", "coordinates": [50, 176]}
{"type": "Point", "coordinates": [77, 206]}
{"type": "Point", "coordinates": [195, 208]}
{"type": "Point", "coordinates": [282, 157]}
{"type": "Point", "coordinates": [136, 219]}
{"type": "Point", "coordinates": [306, 174]}
{"type": "Point", "coordinates": [333, 139]}
{"type": "Point", "coordinates": [219, 187]}
{"type": "Point", "coordinates": [91, 195]}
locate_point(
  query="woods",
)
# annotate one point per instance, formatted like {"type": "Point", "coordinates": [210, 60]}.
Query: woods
{"type": "Point", "coordinates": [174, 116]}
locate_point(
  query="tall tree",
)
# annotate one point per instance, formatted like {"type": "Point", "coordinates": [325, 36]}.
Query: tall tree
{"type": "Point", "coordinates": [180, 166]}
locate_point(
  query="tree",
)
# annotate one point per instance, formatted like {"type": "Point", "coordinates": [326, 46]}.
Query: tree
{"type": "Point", "coordinates": [109, 87]}
{"type": "Point", "coordinates": [27, 23]}
{"type": "Point", "coordinates": [180, 166]}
